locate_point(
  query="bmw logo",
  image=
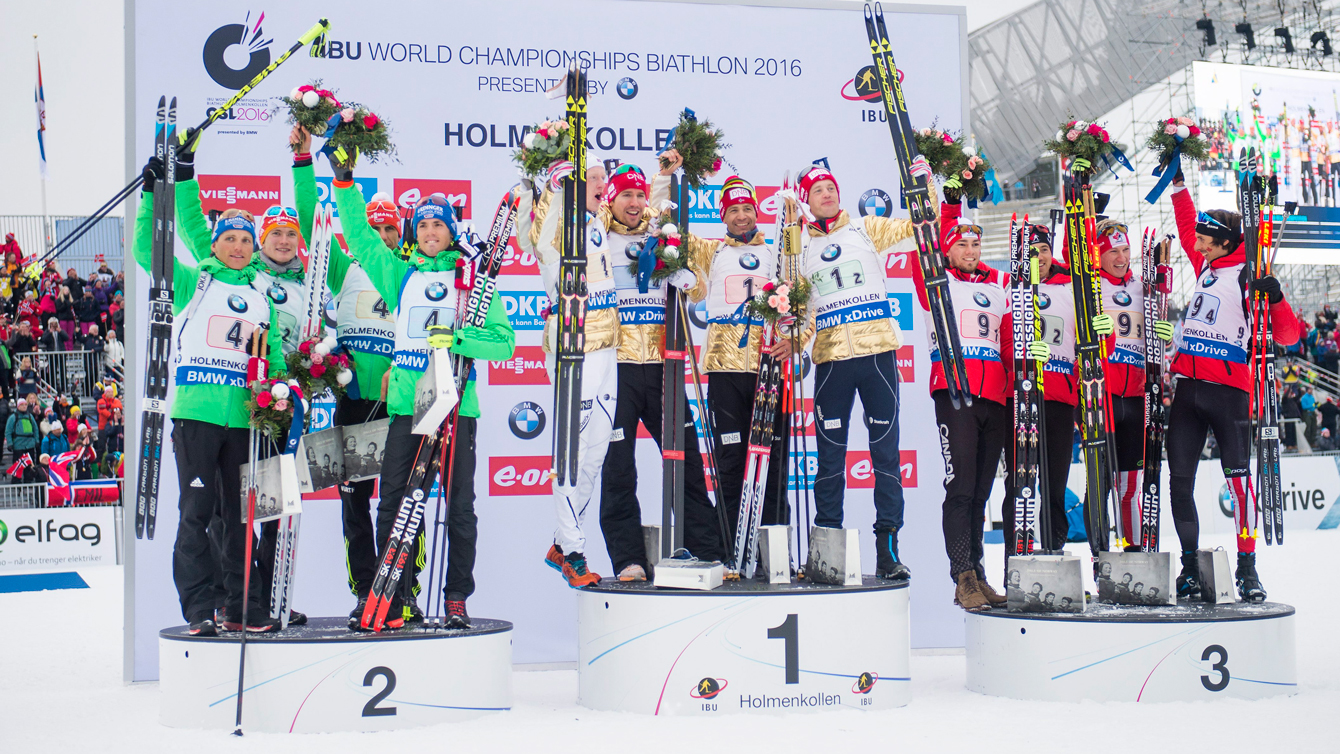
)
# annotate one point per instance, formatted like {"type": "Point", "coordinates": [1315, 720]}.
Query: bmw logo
{"type": "Point", "coordinates": [981, 299]}
{"type": "Point", "coordinates": [526, 420]}
{"type": "Point", "coordinates": [632, 249]}
{"type": "Point", "coordinates": [237, 303]}
{"type": "Point", "coordinates": [597, 238]}
{"type": "Point", "coordinates": [1044, 301]}
{"type": "Point", "coordinates": [698, 315]}
{"type": "Point", "coordinates": [749, 260]}
{"type": "Point", "coordinates": [277, 293]}
{"type": "Point", "coordinates": [436, 291]}
{"type": "Point", "coordinates": [1211, 277]}
{"type": "Point", "coordinates": [875, 202]}
{"type": "Point", "coordinates": [330, 311]}
{"type": "Point", "coordinates": [831, 252]}
{"type": "Point", "coordinates": [1121, 298]}
{"type": "Point", "coordinates": [627, 88]}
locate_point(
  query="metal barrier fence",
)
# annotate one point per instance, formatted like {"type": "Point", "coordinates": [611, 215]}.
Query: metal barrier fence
{"type": "Point", "coordinates": [104, 242]}
{"type": "Point", "coordinates": [73, 373]}
{"type": "Point", "coordinates": [23, 495]}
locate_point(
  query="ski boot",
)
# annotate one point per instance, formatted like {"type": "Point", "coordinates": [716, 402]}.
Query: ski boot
{"type": "Point", "coordinates": [456, 615]}
{"type": "Point", "coordinates": [258, 620]}
{"type": "Point", "coordinates": [887, 564]}
{"type": "Point", "coordinates": [574, 570]}
{"type": "Point", "coordinates": [296, 618]}
{"type": "Point", "coordinates": [1188, 582]}
{"type": "Point", "coordinates": [412, 612]}
{"type": "Point", "coordinates": [356, 615]}
{"type": "Point", "coordinates": [1249, 585]}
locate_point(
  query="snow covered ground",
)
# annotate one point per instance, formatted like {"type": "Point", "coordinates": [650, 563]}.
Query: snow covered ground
{"type": "Point", "coordinates": [60, 688]}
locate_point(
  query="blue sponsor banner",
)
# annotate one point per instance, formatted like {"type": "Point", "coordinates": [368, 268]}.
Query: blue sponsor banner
{"type": "Point", "coordinates": [525, 309]}
{"type": "Point", "coordinates": [703, 204]}
{"type": "Point", "coordinates": [602, 300]}
{"type": "Point", "coordinates": [325, 191]}
{"type": "Point", "coordinates": [368, 344]}
{"type": "Point", "coordinates": [980, 353]}
{"type": "Point", "coordinates": [901, 303]}
{"type": "Point", "coordinates": [850, 314]}
{"type": "Point", "coordinates": [642, 315]}
{"type": "Point", "coordinates": [322, 413]}
{"type": "Point", "coordinates": [1213, 350]}
{"type": "Point", "coordinates": [811, 469]}
{"type": "Point", "coordinates": [1125, 356]}
{"type": "Point", "coordinates": [1057, 366]}
{"type": "Point", "coordinates": [194, 375]}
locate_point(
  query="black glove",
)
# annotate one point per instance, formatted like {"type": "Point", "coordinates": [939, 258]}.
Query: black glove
{"type": "Point", "coordinates": [342, 173]}
{"type": "Point", "coordinates": [1178, 178]}
{"type": "Point", "coordinates": [1269, 286]}
{"type": "Point", "coordinates": [186, 155]}
{"type": "Point", "coordinates": [153, 171]}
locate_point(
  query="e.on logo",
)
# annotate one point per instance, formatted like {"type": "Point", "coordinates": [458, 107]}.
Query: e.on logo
{"type": "Point", "coordinates": [408, 192]}
{"type": "Point", "coordinates": [907, 364]}
{"type": "Point", "coordinates": [518, 262]}
{"type": "Point", "coordinates": [519, 475]}
{"type": "Point", "coordinates": [898, 264]}
{"type": "Point", "coordinates": [861, 473]}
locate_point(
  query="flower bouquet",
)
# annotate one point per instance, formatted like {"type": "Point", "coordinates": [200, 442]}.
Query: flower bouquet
{"type": "Point", "coordinates": [359, 132]}
{"type": "Point", "coordinates": [950, 157]}
{"type": "Point", "coordinates": [700, 144]}
{"type": "Point", "coordinates": [1172, 140]}
{"type": "Point", "coordinates": [545, 144]}
{"type": "Point", "coordinates": [311, 107]}
{"type": "Point", "coordinates": [271, 406]}
{"type": "Point", "coordinates": [781, 302]}
{"type": "Point", "coordinates": [1080, 140]}
{"type": "Point", "coordinates": [663, 240]}
{"type": "Point", "coordinates": [316, 368]}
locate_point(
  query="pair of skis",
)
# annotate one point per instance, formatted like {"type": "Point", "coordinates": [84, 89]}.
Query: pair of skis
{"type": "Point", "coordinates": [434, 448]}
{"type": "Point", "coordinates": [158, 366]}
{"type": "Point", "coordinates": [914, 175]}
{"type": "Point", "coordinates": [672, 396]}
{"type": "Point", "coordinates": [1091, 352]}
{"type": "Point", "coordinates": [1156, 277]}
{"type": "Point", "coordinates": [1031, 510]}
{"type": "Point", "coordinates": [572, 290]}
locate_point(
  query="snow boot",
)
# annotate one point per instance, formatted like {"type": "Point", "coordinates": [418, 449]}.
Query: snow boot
{"type": "Point", "coordinates": [258, 620]}
{"type": "Point", "coordinates": [1249, 585]}
{"type": "Point", "coordinates": [411, 612]}
{"type": "Point", "coordinates": [887, 564]}
{"type": "Point", "coordinates": [991, 595]}
{"type": "Point", "coordinates": [574, 571]}
{"type": "Point", "coordinates": [296, 618]}
{"type": "Point", "coordinates": [356, 615]}
{"type": "Point", "coordinates": [456, 615]}
{"type": "Point", "coordinates": [969, 595]}
{"type": "Point", "coordinates": [633, 572]}
{"type": "Point", "coordinates": [204, 627]}
{"type": "Point", "coordinates": [1188, 583]}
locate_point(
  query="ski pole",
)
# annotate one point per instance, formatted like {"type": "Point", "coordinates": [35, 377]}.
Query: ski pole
{"type": "Point", "coordinates": [708, 429]}
{"type": "Point", "coordinates": [258, 343]}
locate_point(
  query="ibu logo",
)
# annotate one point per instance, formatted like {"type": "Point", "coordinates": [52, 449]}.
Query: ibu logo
{"type": "Point", "coordinates": [708, 688]}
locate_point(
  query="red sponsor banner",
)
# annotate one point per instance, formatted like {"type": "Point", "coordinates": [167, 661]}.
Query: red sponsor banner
{"type": "Point", "coordinates": [526, 367]}
{"type": "Point", "coordinates": [253, 193]}
{"type": "Point", "coordinates": [518, 262]}
{"type": "Point", "coordinates": [899, 264]}
{"type": "Point", "coordinates": [861, 472]}
{"type": "Point", "coordinates": [519, 475]}
{"type": "Point", "coordinates": [907, 364]}
{"type": "Point", "coordinates": [768, 203]}
{"type": "Point", "coordinates": [408, 192]}
{"type": "Point", "coordinates": [642, 431]}
{"type": "Point", "coordinates": [807, 417]}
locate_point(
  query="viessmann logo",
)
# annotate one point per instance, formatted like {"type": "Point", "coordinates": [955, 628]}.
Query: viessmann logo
{"type": "Point", "coordinates": [526, 367]}
{"type": "Point", "coordinates": [253, 193]}
{"type": "Point", "coordinates": [221, 59]}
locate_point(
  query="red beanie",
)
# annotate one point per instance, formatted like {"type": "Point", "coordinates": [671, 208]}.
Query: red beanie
{"type": "Point", "coordinates": [737, 190]}
{"type": "Point", "coordinates": [813, 176]}
{"type": "Point", "coordinates": [1111, 237]}
{"type": "Point", "coordinates": [382, 211]}
{"type": "Point", "coordinates": [625, 177]}
{"type": "Point", "coordinates": [957, 232]}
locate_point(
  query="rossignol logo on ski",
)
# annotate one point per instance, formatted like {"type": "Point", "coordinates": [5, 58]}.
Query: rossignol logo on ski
{"type": "Point", "coordinates": [247, 33]}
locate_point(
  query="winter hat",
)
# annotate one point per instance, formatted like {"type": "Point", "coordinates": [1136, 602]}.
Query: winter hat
{"type": "Point", "coordinates": [623, 178]}
{"type": "Point", "coordinates": [382, 210]}
{"type": "Point", "coordinates": [436, 207]}
{"type": "Point", "coordinates": [236, 222]}
{"type": "Point", "coordinates": [1040, 234]}
{"type": "Point", "coordinates": [279, 216]}
{"type": "Point", "coordinates": [813, 176]}
{"type": "Point", "coordinates": [23, 403]}
{"type": "Point", "coordinates": [1112, 235]}
{"type": "Point", "coordinates": [9, 237]}
{"type": "Point", "coordinates": [737, 190]}
{"type": "Point", "coordinates": [955, 233]}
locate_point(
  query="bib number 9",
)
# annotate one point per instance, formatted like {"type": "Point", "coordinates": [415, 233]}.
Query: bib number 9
{"type": "Point", "coordinates": [1130, 327]}
{"type": "Point", "coordinates": [979, 325]}
{"type": "Point", "coordinates": [1204, 308]}
{"type": "Point", "coordinates": [228, 333]}
{"type": "Point", "coordinates": [839, 277]}
{"type": "Point", "coordinates": [741, 288]}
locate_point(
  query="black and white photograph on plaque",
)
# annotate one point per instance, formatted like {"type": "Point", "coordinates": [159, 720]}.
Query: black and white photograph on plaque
{"type": "Point", "coordinates": [1136, 578]}
{"type": "Point", "coordinates": [324, 455]}
{"type": "Point", "coordinates": [435, 393]}
{"type": "Point", "coordinates": [364, 445]}
{"type": "Point", "coordinates": [1044, 584]}
{"type": "Point", "coordinates": [269, 490]}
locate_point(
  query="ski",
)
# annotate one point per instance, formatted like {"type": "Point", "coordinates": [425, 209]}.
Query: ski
{"type": "Point", "coordinates": [1265, 397]}
{"type": "Point", "coordinates": [1156, 276]}
{"type": "Point", "coordinates": [154, 416]}
{"type": "Point", "coordinates": [400, 543]}
{"type": "Point", "coordinates": [1092, 356]}
{"type": "Point", "coordinates": [1030, 488]}
{"type": "Point", "coordinates": [672, 399]}
{"type": "Point", "coordinates": [571, 305]}
{"type": "Point", "coordinates": [766, 402]}
{"type": "Point", "coordinates": [914, 175]}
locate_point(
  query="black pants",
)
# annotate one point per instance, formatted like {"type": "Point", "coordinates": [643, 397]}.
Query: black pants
{"type": "Point", "coordinates": [620, 512]}
{"type": "Point", "coordinates": [209, 461]}
{"type": "Point", "coordinates": [1197, 407]}
{"type": "Point", "coordinates": [836, 384]}
{"type": "Point", "coordinates": [360, 542]}
{"type": "Point", "coordinates": [402, 447]}
{"type": "Point", "coordinates": [730, 399]}
{"type": "Point", "coordinates": [971, 441]}
{"type": "Point", "coordinates": [1128, 431]}
{"type": "Point", "coordinates": [1058, 430]}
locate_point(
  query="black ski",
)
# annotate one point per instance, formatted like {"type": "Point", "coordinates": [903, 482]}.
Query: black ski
{"type": "Point", "coordinates": [917, 197]}
{"type": "Point", "coordinates": [1030, 489]}
{"type": "Point", "coordinates": [571, 305]}
{"type": "Point", "coordinates": [672, 398]}
{"type": "Point", "coordinates": [1157, 280]}
{"type": "Point", "coordinates": [153, 418]}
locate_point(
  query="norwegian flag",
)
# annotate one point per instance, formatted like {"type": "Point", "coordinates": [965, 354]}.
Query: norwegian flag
{"type": "Point", "coordinates": [24, 461]}
{"type": "Point", "coordinates": [40, 97]}
{"type": "Point", "coordinates": [58, 476]}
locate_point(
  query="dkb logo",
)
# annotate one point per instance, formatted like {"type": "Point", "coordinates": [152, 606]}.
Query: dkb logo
{"type": "Point", "coordinates": [216, 54]}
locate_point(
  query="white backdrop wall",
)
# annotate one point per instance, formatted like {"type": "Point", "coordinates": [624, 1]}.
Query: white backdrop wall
{"type": "Point", "coordinates": [457, 89]}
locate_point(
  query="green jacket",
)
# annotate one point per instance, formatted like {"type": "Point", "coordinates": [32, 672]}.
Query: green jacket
{"type": "Point", "coordinates": [495, 341]}
{"type": "Point", "coordinates": [368, 367]}
{"type": "Point", "coordinates": [214, 404]}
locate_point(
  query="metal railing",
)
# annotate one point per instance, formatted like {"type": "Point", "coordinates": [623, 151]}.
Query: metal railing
{"type": "Point", "coordinates": [23, 495]}
{"type": "Point", "coordinates": [73, 373]}
{"type": "Point", "coordinates": [104, 242]}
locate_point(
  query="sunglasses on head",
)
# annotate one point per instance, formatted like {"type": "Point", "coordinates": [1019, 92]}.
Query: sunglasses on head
{"type": "Point", "coordinates": [438, 199]}
{"type": "Point", "coordinates": [1204, 219]}
{"type": "Point", "coordinates": [966, 229]}
{"type": "Point", "coordinates": [1116, 228]}
{"type": "Point", "coordinates": [626, 168]}
{"type": "Point", "coordinates": [278, 211]}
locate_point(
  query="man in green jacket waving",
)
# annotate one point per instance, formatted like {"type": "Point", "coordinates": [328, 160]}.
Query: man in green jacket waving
{"type": "Point", "coordinates": [423, 293]}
